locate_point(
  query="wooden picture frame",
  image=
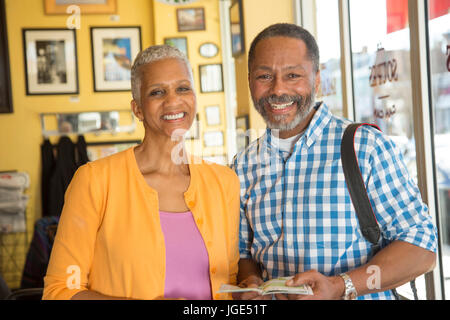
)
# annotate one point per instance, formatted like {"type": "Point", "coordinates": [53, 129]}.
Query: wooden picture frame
{"type": "Point", "coordinates": [51, 65]}
{"type": "Point", "coordinates": [178, 42]}
{"type": "Point", "coordinates": [191, 19]}
{"type": "Point", "coordinates": [113, 52]}
{"type": "Point", "coordinates": [237, 28]}
{"type": "Point", "coordinates": [6, 105]}
{"type": "Point", "coordinates": [211, 78]}
{"type": "Point", "coordinates": [53, 7]}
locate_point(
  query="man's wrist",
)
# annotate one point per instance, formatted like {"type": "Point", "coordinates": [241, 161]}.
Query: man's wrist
{"type": "Point", "coordinates": [339, 286]}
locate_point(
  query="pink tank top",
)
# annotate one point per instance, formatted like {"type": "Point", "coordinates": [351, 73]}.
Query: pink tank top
{"type": "Point", "coordinates": [187, 262]}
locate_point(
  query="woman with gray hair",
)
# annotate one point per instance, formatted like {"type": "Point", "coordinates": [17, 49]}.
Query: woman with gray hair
{"type": "Point", "coordinates": [150, 222]}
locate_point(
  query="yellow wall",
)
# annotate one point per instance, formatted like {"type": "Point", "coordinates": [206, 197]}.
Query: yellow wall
{"type": "Point", "coordinates": [165, 18]}
{"type": "Point", "coordinates": [257, 15]}
{"type": "Point", "coordinates": [20, 132]}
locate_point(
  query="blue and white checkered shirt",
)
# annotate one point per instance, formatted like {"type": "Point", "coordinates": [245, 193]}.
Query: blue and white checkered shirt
{"type": "Point", "coordinates": [297, 214]}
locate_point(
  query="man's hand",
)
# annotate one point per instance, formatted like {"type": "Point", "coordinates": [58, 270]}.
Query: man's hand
{"type": "Point", "coordinates": [324, 288]}
{"type": "Point", "coordinates": [250, 282]}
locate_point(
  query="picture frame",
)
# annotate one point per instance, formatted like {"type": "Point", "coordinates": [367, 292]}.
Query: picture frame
{"type": "Point", "coordinates": [51, 65]}
{"type": "Point", "coordinates": [208, 50]}
{"type": "Point", "coordinates": [191, 19]}
{"type": "Point", "coordinates": [211, 78]}
{"type": "Point", "coordinates": [178, 42]}
{"type": "Point", "coordinates": [98, 150]}
{"type": "Point", "coordinates": [212, 115]}
{"type": "Point", "coordinates": [86, 6]}
{"type": "Point", "coordinates": [213, 139]}
{"type": "Point", "coordinates": [237, 28]}
{"type": "Point", "coordinates": [242, 135]}
{"type": "Point", "coordinates": [6, 105]}
{"type": "Point", "coordinates": [113, 52]}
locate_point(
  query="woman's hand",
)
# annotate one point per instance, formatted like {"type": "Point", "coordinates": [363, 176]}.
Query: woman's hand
{"type": "Point", "coordinates": [250, 282]}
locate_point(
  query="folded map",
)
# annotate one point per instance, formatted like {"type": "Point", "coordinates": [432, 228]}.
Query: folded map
{"type": "Point", "coordinates": [272, 286]}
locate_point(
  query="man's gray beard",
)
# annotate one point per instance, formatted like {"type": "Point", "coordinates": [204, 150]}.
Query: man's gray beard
{"type": "Point", "coordinates": [304, 106]}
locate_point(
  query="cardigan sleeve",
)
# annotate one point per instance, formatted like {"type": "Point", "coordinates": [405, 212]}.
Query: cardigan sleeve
{"type": "Point", "coordinates": [73, 248]}
{"type": "Point", "coordinates": [233, 225]}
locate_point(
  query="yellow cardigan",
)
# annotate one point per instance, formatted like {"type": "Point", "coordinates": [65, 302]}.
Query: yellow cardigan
{"type": "Point", "coordinates": [110, 233]}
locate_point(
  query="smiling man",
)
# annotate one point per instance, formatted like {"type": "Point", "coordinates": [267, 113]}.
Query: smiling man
{"type": "Point", "coordinates": [297, 218]}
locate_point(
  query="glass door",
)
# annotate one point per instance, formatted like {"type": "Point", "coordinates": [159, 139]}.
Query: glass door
{"type": "Point", "coordinates": [326, 16]}
{"type": "Point", "coordinates": [439, 55]}
{"type": "Point", "coordinates": [380, 44]}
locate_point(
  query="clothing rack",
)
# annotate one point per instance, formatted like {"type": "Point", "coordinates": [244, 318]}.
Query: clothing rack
{"type": "Point", "coordinates": [96, 122]}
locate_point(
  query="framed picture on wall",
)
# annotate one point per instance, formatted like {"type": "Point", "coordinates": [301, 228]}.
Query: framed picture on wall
{"type": "Point", "coordinates": [178, 42]}
{"type": "Point", "coordinates": [5, 79]}
{"type": "Point", "coordinates": [50, 61]}
{"type": "Point", "coordinates": [211, 78]}
{"type": "Point", "coordinates": [213, 139]}
{"type": "Point", "coordinates": [208, 50]}
{"type": "Point", "coordinates": [191, 19]}
{"type": "Point", "coordinates": [236, 28]}
{"type": "Point", "coordinates": [113, 52]}
{"type": "Point", "coordinates": [86, 6]}
{"type": "Point", "coordinates": [212, 114]}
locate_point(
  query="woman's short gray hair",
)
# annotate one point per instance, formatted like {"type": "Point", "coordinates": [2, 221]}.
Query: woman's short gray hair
{"type": "Point", "coordinates": [152, 54]}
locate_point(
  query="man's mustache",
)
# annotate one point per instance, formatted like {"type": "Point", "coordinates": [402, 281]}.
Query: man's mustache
{"type": "Point", "coordinates": [285, 98]}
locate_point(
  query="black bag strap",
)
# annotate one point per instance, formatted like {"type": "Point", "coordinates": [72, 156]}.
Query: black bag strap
{"type": "Point", "coordinates": [356, 187]}
{"type": "Point", "coordinates": [358, 193]}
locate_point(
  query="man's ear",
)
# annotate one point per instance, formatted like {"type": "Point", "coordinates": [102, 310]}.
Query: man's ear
{"type": "Point", "coordinates": [317, 81]}
{"type": "Point", "coordinates": [137, 110]}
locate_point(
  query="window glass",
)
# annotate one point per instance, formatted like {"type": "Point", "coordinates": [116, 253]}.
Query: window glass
{"type": "Point", "coordinates": [328, 40]}
{"type": "Point", "coordinates": [382, 78]}
{"type": "Point", "coordinates": [439, 53]}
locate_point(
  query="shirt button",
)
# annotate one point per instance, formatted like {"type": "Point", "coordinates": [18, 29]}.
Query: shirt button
{"type": "Point", "coordinates": [199, 221]}
{"type": "Point", "coordinates": [213, 270]}
{"type": "Point", "coordinates": [191, 204]}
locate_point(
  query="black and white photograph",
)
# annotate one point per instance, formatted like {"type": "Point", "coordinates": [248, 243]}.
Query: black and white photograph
{"type": "Point", "coordinates": [51, 61]}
